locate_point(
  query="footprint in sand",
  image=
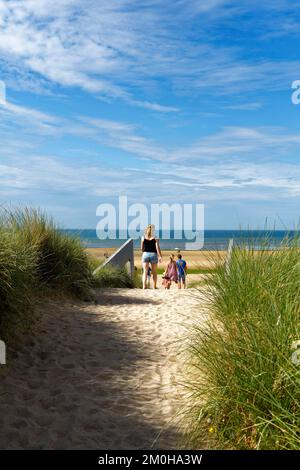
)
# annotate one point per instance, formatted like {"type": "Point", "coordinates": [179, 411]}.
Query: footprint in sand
{"type": "Point", "coordinates": [102, 376]}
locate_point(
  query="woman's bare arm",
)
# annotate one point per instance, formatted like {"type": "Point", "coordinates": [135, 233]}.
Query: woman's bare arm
{"type": "Point", "coordinates": [158, 250]}
{"type": "Point", "coordinates": [142, 243]}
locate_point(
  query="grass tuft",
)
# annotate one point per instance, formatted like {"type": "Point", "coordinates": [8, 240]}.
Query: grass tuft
{"type": "Point", "coordinates": [61, 261]}
{"type": "Point", "coordinates": [246, 390]}
{"type": "Point", "coordinates": [109, 276]}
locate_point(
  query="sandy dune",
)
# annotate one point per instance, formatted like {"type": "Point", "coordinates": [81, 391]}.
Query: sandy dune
{"type": "Point", "coordinates": [103, 376]}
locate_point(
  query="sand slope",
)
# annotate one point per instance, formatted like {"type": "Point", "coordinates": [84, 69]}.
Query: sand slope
{"type": "Point", "coordinates": [102, 376]}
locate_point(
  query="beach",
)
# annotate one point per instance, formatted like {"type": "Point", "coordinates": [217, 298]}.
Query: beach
{"type": "Point", "coordinates": [149, 230]}
{"type": "Point", "coordinates": [199, 263]}
{"type": "Point", "coordinates": [196, 260]}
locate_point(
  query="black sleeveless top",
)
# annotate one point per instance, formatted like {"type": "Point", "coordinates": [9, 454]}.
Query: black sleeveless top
{"type": "Point", "coordinates": [149, 246]}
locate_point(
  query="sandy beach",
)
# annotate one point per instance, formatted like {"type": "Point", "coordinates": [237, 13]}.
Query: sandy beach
{"type": "Point", "coordinates": [194, 259]}
{"type": "Point", "coordinates": [102, 375]}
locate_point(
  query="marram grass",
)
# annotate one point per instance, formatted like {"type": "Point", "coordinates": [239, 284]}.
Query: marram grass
{"type": "Point", "coordinates": [110, 276]}
{"type": "Point", "coordinates": [37, 258]}
{"type": "Point", "coordinates": [61, 260]}
{"type": "Point", "coordinates": [246, 387]}
{"type": "Point", "coordinates": [17, 284]}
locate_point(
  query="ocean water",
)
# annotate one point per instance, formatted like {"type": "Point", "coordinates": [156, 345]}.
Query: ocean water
{"type": "Point", "coordinates": [213, 239]}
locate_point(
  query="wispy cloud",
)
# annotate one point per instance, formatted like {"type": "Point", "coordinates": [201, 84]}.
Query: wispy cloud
{"type": "Point", "coordinates": [36, 126]}
{"type": "Point", "coordinates": [98, 47]}
{"type": "Point", "coordinates": [124, 137]}
{"type": "Point", "coordinates": [119, 48]}
{"type": "Point", "coordinates": [238, 142]}
{"type": "Point", "coordinates": [232, 181]}
{"type": "Point", "coordinates": [244, 106]}
{"type": "Point", "coordinates": [232, 142]}
{"type": "Point", "coordinates": [153, 106]}
{"type": "Point", "coordinates": [27, 114]}
{"type": "Point", "coordinates": [201, 65]}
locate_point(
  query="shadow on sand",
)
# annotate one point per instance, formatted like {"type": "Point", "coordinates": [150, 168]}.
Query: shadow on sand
{"type": "Point", "coordinates": [73, 385]}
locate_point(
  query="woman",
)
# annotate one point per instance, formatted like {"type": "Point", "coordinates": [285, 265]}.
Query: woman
{"type": "Point", "coordinates": [151, 255]}
{"type": "Point", "coordinates": [170, 273]}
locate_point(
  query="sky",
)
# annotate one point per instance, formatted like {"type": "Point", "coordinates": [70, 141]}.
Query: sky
{"type": "Point", "coordinates": [164, 101]}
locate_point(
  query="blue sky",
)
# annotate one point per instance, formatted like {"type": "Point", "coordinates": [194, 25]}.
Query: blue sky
{"type": "Point", "coordinates": [162, 101]}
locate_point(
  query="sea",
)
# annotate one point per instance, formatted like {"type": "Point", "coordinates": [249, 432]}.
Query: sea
{"type": "Point", "coordinates": [213, 239]}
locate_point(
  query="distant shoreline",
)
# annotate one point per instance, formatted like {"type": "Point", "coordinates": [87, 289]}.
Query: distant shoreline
{"type": "Point", "coordinates": [214, 240]}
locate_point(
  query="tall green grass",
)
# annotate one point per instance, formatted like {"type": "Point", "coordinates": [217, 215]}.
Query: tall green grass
{"type": "Point", "coordinates": [245, 391]}
{"type": "Point", "coordinates": [110, 276]}
{"type": "Point", "coordinates": [37, 258]}
{"type": "Point", "coordinates": [17, 283]}
{"type": "Point", "coordinates": [61, 260]}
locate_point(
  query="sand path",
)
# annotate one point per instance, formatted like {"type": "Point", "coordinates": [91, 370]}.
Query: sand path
{"type": "Point", "coordinates": [103, 376]}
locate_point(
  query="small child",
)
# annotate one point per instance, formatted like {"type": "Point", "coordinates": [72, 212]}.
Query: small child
{"type": "Point", "coordinates": [181, 271]}
{"type": "Point", "coordinates": [170, 274]}
{"type": "Point", "coordinates": [149, 276]}
{"type": "Point", "coordinates": [166, 282]}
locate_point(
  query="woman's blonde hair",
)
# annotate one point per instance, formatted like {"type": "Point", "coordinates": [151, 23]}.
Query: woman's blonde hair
{"type": "Point", "coordinates": [149, 231]}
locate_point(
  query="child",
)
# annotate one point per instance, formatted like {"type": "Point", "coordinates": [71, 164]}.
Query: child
{"type": "Point", "coordinates": [181, 271]}
{"type": "Point", "coordinates": [170, 273]}
{"type": "Point", "coordinates": [149, 276]}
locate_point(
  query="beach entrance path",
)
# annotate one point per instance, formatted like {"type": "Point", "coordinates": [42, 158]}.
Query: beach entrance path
{"type": "Point", "coordinates": [100, 376]}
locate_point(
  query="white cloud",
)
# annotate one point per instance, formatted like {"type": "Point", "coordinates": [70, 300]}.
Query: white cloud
{"type": "Point", "coordinates": [117, 48]}
{"type": "Point", "coordinates": [153, 106]}
{"type": "Point", "coordinates": [93, 46]}
{"type": "Point", "coordinates": [244, 106]}
{"type": "Point", "coordinates": [230, 143]}
{"type": "Point", "coordinates": [36, 125]}
{"type": "Point", "coordinates": [124, 137]}
{"type": "Point", "coordinates": [230, 181]}
{"type": "Point", "coordinates": [28, 114]}
{"type": "Point", "coordinates": [238, 142]}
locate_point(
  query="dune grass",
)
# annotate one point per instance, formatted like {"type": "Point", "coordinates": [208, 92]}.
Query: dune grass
{"type": "Point", "coordinates": [61, 262]}
{"type": "Point", "coordinates": [110, 276]}
{"type": "Point", "coordinates": [36, 258]}
{"type": "Point", "coordinates": [245, 393]}
{"type": "Point", "coordinates": [17, 283]}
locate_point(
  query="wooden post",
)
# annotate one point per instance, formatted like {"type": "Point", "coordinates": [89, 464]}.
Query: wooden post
{"type": "Point", "coordinates": [228, 256]}
{"type": "Point", "coordinates": [2, 353]}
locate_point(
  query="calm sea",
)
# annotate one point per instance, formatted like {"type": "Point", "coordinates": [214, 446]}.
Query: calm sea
{"type": "Point", "coordinates": [213, 239]}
